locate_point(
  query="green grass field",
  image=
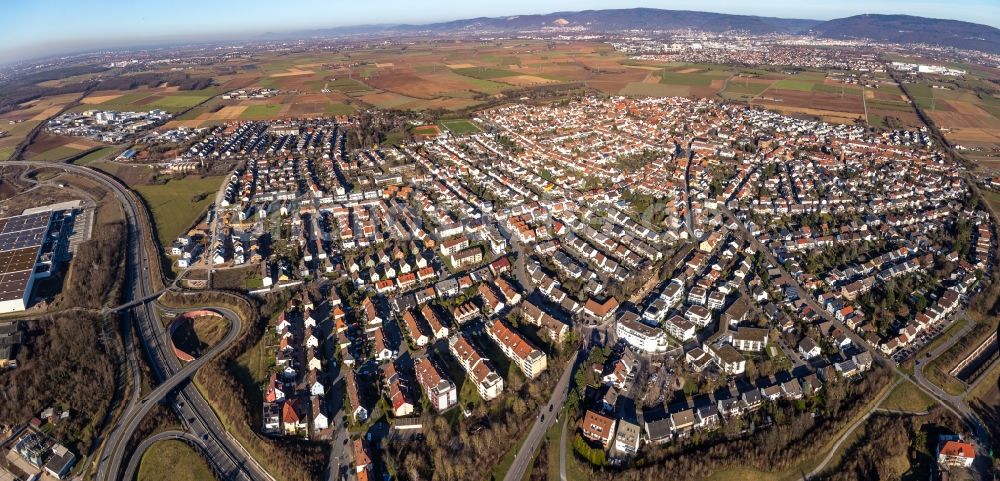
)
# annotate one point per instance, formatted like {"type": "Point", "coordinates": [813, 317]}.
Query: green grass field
{"type": "Point", "coordinates": [552, 444]}
{"type": "Point", "coordinates": [889, 105]}
{"type": "Point", "coordinates": [170, 102]}
{"type": "Point", "coordinates": [6, 152]}
{"type": "Point", "coordinates": [749, 88]}
{"type": "Point", "coordinates": [260, 112]}
{"type": "Point", "coordinates": [251, 370]}
{"type": "Point", "coordinates": [909, 398]}
{"type": "Point", "coordinates": [922, 94]}
{"type": "Point", "coordinates": [701, 79]}
{"type": "Point", "coordinates": [179, 101]}
{"type": "Point", "coordinates": [174, 204]}
{"type": "Point", "coordinates": [57, 153]}
{"type": "Point", "coordinates": [347, 85]}
{"type": "Point", "coordinates": [788, 84]}
{"type": "Point", "coordinates": [985, 383]}
{"type": "Point", "coordinates": [500, 470]}
{"type": "Point", "coordinates": [93, 156]}
{"type": "Point", "coordinates": [993, 198]}
{"type": "Point", "coordinates": [459, 127]}
{"type": "Point", "coordinates": [173, 460]}
{"type": "Point", "coordinates": [339, 109]}
{"type": "Point", "coordinates": [201, 334]}
{"type": "Point", "coordinates": [124, 99]}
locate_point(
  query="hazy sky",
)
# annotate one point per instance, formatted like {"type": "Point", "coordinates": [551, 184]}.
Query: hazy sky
{"type": "Point", "coordinates": [36, 27]}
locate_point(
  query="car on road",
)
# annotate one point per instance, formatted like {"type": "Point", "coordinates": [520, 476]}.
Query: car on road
{"type": "Point", "coordinates": [550, 407]}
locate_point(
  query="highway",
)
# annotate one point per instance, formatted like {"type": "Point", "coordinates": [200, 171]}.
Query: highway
{"type": "Point", "coordinates": [551, 410]}
{"type": "Point", "coordinates": [189, 404]}
{"type": "Point", "coordinates": [131, 418]}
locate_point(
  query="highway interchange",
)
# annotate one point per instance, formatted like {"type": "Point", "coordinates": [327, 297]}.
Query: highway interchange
{"type": "Point", "coordinates": [229, 458]}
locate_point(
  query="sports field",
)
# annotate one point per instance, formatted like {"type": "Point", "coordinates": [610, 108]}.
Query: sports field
{"type": "Point", "coordinates": [459, 127]}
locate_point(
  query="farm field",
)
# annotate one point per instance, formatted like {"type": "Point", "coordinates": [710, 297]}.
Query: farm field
{"type": "Point", "coordinates": [174, 461]}
{"type": "Point", "coordinates": [642, 89]}
{"type": "Point", "coordinates": [285, 105]}
{"type": "Point", "coordinates": [744, 89]}
{"type": "Point", "coordinates": [464, 75]}
{"type": "Point", "coordinates": [142, 99]}
{"type": "Point", "coordinates": [451, 77]}
{"type": "Point", "coordinates": [828, 101]}
{"type": "Point", "coordinates": [178, 203]}
{"type": "Point", "coordinates": [19, 123]}
{"type": "Point", "coordinates": [49, 147]}
{"type": "Point", "coordinates": [260, 112]}
{"type": "Point", "coordinates": [808, 93]}
{"type": "Point", "coordinates": [967, 110]}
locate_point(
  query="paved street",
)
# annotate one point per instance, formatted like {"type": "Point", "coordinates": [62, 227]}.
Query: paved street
{"type": "Point", "coordinates": [956, 404]}
{"type": "Point", "coordinates": [189, 404]}
{"type": "Point", "coordinates": [522, 460]}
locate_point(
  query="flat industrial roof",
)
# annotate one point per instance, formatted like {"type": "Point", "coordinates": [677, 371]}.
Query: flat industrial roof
{"type": "Point", "coordinates": [21, 237]}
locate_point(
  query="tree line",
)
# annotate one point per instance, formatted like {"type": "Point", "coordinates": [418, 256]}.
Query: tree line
{"type": "Point", "coordinates": [16, 92]}
{"type": "Point", "coordinates": [885, 438]}
{"type": "Point", "coordinates": [289, 459]}
{"type": "Point", "coordinates": [97, 270]}
{"type": "Point", "coordinates": [49, 375]}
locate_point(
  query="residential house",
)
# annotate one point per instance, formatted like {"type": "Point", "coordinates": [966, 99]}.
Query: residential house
{"type": "Point", "coordinates": [597, 428]}
{"type": "Point", "coordinates": [750, 339]}
{"type": "Point", "coordinates": [440, 391]}
{"type": "Point", "coordinates": [528, 358]}
{"type": "Point", "coordinates": [627, 438]}
{"type": "Point", "coordinates": [487, 381]}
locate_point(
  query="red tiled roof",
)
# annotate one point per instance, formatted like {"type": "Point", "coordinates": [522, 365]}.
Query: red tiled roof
{"type": "Point", "coordinates": [957, 448]}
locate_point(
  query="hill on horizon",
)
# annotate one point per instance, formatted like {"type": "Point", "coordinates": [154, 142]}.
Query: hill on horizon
{"type": "Point", "coordinates": [911, 29]}
{"type": "Point", "coordinates": [883, 28]}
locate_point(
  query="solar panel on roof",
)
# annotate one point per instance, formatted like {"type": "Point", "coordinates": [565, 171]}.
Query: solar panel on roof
{"type": "Point", "coordinates": [25, 222]}
{"type": "Point", "coordinates": [21, 238]}
{"type": "Point", "coordinates": [13, 284]}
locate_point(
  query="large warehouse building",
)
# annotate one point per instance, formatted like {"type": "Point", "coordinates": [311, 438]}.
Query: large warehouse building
{"type": "Point", "coordinates": [22, 239]}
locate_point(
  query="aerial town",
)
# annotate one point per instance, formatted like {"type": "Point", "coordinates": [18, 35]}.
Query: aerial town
{"type": "Point", "coordinates": [689, 253]}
